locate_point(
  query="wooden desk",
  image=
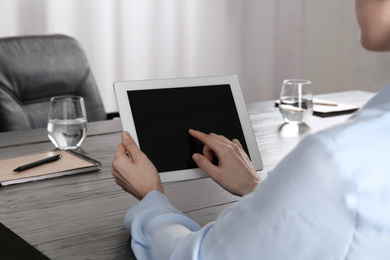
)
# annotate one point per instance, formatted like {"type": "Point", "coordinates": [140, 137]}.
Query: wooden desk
{"type": "Point", "coordinates": [81, 216]}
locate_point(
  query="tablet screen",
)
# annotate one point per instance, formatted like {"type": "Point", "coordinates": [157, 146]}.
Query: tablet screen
{"type": "Point", "coordinates": [162, 118]}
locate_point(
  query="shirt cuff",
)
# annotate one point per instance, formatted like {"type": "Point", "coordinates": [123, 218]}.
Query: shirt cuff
{"type": "Point", "coordinates": [153, 204]}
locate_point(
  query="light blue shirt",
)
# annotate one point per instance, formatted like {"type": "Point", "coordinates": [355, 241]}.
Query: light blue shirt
{"type": "Point", "coordinates": [328, 199]}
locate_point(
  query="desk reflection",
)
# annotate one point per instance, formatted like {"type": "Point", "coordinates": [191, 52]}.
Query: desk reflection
{"type": "Point", "coordinates": [294, 130]}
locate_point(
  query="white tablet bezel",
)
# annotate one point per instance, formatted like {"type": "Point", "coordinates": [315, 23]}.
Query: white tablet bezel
{"type": "Point", "coordinates": [121, 88]}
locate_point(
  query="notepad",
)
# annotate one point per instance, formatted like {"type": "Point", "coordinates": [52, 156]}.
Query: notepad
{"type": "Point", "coordinates": [70, 163]}
{"type": "Point", "coordinates": [325, 108]}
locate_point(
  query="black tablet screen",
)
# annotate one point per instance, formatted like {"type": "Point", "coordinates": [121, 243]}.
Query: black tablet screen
{"type": "Point", "coordinates": [162, 118]}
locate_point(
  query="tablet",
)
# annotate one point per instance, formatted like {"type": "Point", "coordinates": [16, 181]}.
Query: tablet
{"type": "Point", "coordinates": [159, 113]}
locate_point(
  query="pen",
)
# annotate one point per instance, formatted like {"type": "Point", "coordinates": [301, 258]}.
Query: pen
{"type": "Point", "coordinates": [37, 163]}
{"type": "Point", "coordinates": [318, 101]}
{"type": "Point", "coordinates": [325, 103]}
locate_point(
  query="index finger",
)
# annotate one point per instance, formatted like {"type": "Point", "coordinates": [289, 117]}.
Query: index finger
{"type": "Point", "coordinates": [211, 142]}
{"type": "Point", "coordinates": [120, 150]}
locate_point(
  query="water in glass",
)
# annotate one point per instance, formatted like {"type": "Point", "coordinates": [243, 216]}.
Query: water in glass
{"type": "Point", "coordinates": [295, 111]}
{"type": "Point", "coordinates": [67, 133]}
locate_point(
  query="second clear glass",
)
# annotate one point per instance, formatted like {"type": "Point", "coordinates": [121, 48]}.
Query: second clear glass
{"type": "Point", "coordinates": [296, 100]}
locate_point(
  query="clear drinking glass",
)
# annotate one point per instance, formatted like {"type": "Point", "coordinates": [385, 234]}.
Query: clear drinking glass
{"type": "Point", "coordinates": [67, 122]}
{"type": "Point", "coordinates": [296, 100]}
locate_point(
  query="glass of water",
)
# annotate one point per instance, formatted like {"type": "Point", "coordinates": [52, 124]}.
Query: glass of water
{"type": "Point", "coordinates": [296, 100]}
{"type": "Point", "coordinates": [67, 122]}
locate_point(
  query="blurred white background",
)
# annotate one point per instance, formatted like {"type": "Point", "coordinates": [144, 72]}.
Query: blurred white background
{"type": "Point", "coordinates": [262, 41]}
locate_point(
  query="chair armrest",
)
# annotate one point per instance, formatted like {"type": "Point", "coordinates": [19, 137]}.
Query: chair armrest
{"type": "Point", "coordinates": [112, 115]}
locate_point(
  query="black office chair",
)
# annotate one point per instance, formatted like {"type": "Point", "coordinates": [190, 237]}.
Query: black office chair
{"type": "Point", "coordinates": [35, 68]}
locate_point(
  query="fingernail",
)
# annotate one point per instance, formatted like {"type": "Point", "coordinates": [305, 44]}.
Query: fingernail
{"type": "Point", "coordinates": [126, 135]}
{"type": "Point", "coordinates": [195, 156]}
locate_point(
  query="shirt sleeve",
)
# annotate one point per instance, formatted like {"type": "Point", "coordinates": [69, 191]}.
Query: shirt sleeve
{"type": "Point", "coordinates": [157, 228]}
{"type": "Point", "coordinates": [299, 212]}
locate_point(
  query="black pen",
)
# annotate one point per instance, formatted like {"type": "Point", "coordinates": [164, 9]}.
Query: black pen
{"type": "Point", "coordinates": [37, 163]}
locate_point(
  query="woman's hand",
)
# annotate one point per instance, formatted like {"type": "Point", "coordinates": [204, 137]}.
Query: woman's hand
{"type": "Point", "coordinates": [133, 170]}
{"type": "Point", "coordinates": [235, 172]}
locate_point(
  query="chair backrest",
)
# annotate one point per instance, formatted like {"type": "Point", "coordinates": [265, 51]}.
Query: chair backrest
{"type": "Point", "coordinates": [35, 68]}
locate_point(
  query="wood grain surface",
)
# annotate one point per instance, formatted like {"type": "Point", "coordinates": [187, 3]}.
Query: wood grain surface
{"type": "Point", "coordinates": [81, 216]}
